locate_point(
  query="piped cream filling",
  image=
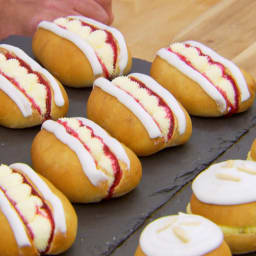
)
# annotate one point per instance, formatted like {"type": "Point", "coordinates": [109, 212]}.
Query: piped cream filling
{"type": "Point", "coordinates": [28, 82]}
{"type": "Point", "coordinates": [28, 206]}
{"type": "Point", "coordinates": [95, 146]}
{"type": "Point", "coordinates": [212, 71]}
{"type": "Point", "coordinates": [97, 40]}
{"type": "Point", "coordinates": [149, 102]}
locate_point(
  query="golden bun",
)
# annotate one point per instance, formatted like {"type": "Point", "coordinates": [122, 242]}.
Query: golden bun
{"type": "Point", "coordinates": [119, 118]}
{"type": "Point", "coordinates": [68, 173]}
{"type": "Point", "coordinates": [28, 94]}
{"type": "Point", "coordinates": [234, 211]}
{"type": "Point", "coordinates": [252, 152]}
{"type": "Point", "coordinates": [212, 101]}
{"type": "Point", "coordinates": [179, 237]}
{"type": "Point", "coordinates": [53, 200]}
{"type": "Point", "coordinates": [69, 61]}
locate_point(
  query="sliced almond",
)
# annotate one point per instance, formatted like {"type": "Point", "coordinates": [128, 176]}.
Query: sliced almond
{"type": "Point", "coordinates": [170, 223]}
{"type": "Point", "coordinates": [229, 177]}
{"type": "Point", "coordinates": [181, 234]}
{"type": "Point", "coordinates": [229, 163]}
{"type": "Point", "coordinates": [247, 170]}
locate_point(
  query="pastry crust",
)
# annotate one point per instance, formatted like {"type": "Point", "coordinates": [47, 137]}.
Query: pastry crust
{"type": "Point", "coordinates": [65, 60]}
{"type": "Point", "coordinates": [239, 216]}
{"type": "Point", "coordinates": [190, 94]}
{"type": "Point", "coordinates": [60, 242]}
{"type": "Point", "coordinates": [12, 117]}
{"type": "Point", "coordinates": [222, 250]}
{"type": "Point", "coordinates": [67, 173]}
{"type": "Point", "coordinates": [121, 123]}
{"type": "Point", "coordinates": [252, 153]}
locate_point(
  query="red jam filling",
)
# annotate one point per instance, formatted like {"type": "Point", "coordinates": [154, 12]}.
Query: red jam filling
{"type": "Point", "coordinates": [110, 40]}
{"type": "Point", "coordinates": [47, 211]}
{"type": "Point", "coordinates": [41, 80]}
{"type": "Point", "coordinates": [114, 161]}
{"type": "Point", "coordinates": [161, 103]}
{"type": "Point", "coordinates": [233, 108]}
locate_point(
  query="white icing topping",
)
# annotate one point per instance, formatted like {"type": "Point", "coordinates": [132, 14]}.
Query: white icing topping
{"type": "Point", "coordinates": [166, 96]}
{"type": "Point", "coordinates": [58, 211]}
{"type": "Point", "coordinates": [123, 51]}
{"type": "Point", "coordinates": [235, 71]}
{"type": "Point", "coordinates": [112, 143]}
{"type": "Point", "coordinates": [196, 76]}
{"type": "Point", "coordinates": [180, 235]}
{"type": "Point", "coordinates": [14, 221]}
{"type": "Point", "coordinates": [227, 183]}
{"type": "Point", "coordinates": [17, 96]}
{"type": "Point", "coordinates": [87, 162]}
{"type": "Point", "coordinates": [146, 119]}
{"type": "Point", "coordinates": [86, 49]}
{"type": "Point", "coordinates": [58, 97]}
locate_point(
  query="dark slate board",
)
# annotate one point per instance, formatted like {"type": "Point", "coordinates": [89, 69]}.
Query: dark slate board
{"type": "Point", "coordinates": [105, 226]}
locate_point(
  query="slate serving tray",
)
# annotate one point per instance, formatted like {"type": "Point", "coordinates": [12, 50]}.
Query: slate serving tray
{"type": "Point", "coordinates": [103, 227]}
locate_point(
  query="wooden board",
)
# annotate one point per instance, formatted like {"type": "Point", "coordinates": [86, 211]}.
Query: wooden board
{"type": "Point", "coordinates": [228, 26]}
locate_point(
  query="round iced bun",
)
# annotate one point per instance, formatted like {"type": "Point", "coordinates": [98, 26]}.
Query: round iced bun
{"type": "Point", "coordinates": [225, 193]}
{"type": "Point", "coordinates": [139, 112]}
{"type": "Point", "coordinates": [205, 83]}
{"type": "Point", "coordinates": [182, 235]}
{"type": "Point", "coordinates": [83, 161]}
{"type": "Point", "coordinates": [29, 94]}
{"type": "Point", "coordinates": [77, 50]}
{"type": "Point", "coordinates": [36, 218]}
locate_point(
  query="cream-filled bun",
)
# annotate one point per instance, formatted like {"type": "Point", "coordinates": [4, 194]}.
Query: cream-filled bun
{"type": "Point", "coordinates": [139, 112]}
{"type": "Point", "coordinates": [83, 161]}
{"type": "Point", "coordinates": [203, 81]}
{"type": "Point", "coordinates": [77, 50]}
{"type": "Point", "coordinates": [29, 94]}
{"type": "Point", "coordinates": [36, 218]}
{"type": "Point", "coordinates": [252, 153]}
{"type": "Point", "coordinates": [182, 235]}
{"type": "Point", "coordinates": [225, 193]}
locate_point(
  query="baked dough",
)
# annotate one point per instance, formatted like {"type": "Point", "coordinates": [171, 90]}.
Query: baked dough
{"type": "Point", "coordinates": [29, 94]}
{"type": "Point", "coordinates": [252, 153]}
{"type": "Point", "coordinates": [182, 235]}
{"type": "Point", "coordinates": [139, 112]}
{"type": "Point", "coordinates": [36, 218]}
{"type": "Point", "coordinates": [225, 193]}
{"type": "Point", "coordinates": [77, 50]}
{"type": "Point", "coordinates": [90, 166]}
{"type": "Point", "coordinates": [207, 84]}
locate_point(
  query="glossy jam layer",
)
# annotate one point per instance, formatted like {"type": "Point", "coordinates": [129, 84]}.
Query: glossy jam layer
{"type": "Point", "coordinates": [213, 71]}
{"type": "Point", "coordinates": [104, 158]}
{"type": "Point", "coordinates": [102, 41]}
{"type": "Point", "coordinates": [33, 211]}
{"type": "Point", "coordinates": [29, 82]}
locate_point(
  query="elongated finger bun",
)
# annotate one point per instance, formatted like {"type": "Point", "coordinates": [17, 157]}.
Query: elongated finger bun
{"type": "Point", "coordinates": [83, 161]}
{"type": "Point", "coordinates": [36, 218]}
{"type": "Point", "coordinates": [29, 94]}
{"type": "Point", "coordinates": [204, 82]}
{"type": "Point", "coordinates": [182, 235]}
{"type": "Point", "coordinates": [77, 50]}
{"type": "Point", "coordinates": [139, 112]}
{"type": "Point", "coordinates": [226, 194]}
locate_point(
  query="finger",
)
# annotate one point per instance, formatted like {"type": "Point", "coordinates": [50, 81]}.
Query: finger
{"type": "Point", "coordinates": [107, 5]}
{"type": "Point", "coordinates": [91, 9]}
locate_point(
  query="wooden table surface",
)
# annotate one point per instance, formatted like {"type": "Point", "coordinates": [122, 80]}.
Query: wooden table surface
{"type": "Point", "coordinates": [227, 26]}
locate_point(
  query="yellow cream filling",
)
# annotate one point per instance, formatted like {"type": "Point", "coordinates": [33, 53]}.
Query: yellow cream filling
{"type": "Point", "coordinates": [95, 145]}
{"type": "Point", "coordinates": [212, 71]}
{"type": "Point", "coordinates": [96, 39]}
{"type": "Point", "coordinates": [29, 82]}
{"type": "Point", "coordinates": [28, 205]}
{"type": "Point", "coordinates": [149, 102]}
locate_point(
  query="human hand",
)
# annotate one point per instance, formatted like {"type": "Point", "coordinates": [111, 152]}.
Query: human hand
{"type": "Point", "coordinates": [21, 17]}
